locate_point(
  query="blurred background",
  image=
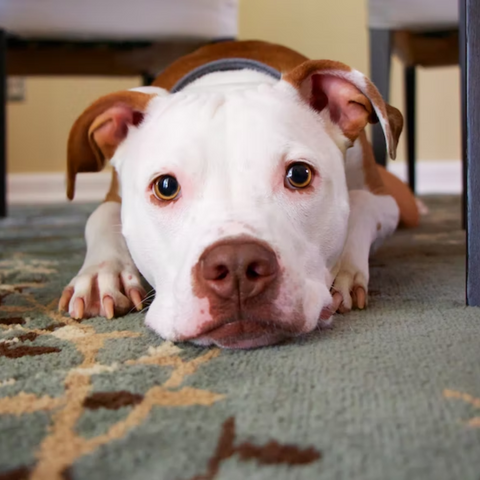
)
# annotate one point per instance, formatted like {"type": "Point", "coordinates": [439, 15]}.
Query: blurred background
{"type": "Point", "coordinates": [38, 124]}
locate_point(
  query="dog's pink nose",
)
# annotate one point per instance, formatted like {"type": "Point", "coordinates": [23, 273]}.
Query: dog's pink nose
{"type": "Point", "coordinates": [245, 269]}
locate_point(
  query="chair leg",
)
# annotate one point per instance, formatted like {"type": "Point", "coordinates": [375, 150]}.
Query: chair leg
{"type": "Point", "coordinates": [380, 58]}
{"type": "Point", "coordinates": [3, 124]}
{"type": "Point", "coordinates": [410, 101]}
{"type": "Point", "coordinates": [470, 17]}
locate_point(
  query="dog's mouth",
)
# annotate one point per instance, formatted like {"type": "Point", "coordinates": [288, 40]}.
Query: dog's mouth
{"type": "Point", "coordinates": [243, 334]}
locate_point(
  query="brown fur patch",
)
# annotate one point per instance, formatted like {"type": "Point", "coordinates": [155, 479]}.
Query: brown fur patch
{"type": "Point", "coordinates": [111, 400]}
{"type": "Point", "coordinates": [370, 171]}
{"type": "Point", "coordinates": [299, 74]}
{"type": "Point", "coordinates": [83, 155]}
{"type": "Point", "coordinates": [381, 182]}
{"type": "Point", "coordinates": [395, 120]}
{"type": "Point", "coordinates": [392, 116]}
{"type": "Point", "coordinates": [281, 58]}
{"type": "Point", "coordinates": [409, 214]}
{"type": "Point", "coordinates": [113, 192]}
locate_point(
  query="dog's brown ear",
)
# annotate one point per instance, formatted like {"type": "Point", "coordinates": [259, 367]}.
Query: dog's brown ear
{"type": "Point", "coordinates": [395, 122]}
{"type": "Point", "coordinates": [100, 129]}
{"type": "Point", "coordinates": [351, 99]}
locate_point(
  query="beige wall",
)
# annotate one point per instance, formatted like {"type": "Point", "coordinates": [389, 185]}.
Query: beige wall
{"type": "Point", "coordinates": [335, 29]}
{"type": "Point", "coordinates": [38, 128]}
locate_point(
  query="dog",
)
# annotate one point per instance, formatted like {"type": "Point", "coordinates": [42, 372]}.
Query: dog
{"type": "Point", "coordinates": [244, 190]}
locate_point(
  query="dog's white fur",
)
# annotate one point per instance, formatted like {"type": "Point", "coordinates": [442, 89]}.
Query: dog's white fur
{"type": "Point", "coordinates": [228, 138]}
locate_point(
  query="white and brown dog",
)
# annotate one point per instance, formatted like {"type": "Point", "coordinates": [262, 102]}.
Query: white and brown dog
{"type": "Point", "coordinates": [244, 191]}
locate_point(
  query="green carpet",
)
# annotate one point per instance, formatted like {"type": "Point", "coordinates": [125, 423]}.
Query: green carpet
{"type": "Point", "coordinates": [389, 393]}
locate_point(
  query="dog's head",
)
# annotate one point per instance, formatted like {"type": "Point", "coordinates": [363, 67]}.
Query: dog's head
{"type": "Point", "coordinates": [234, 205]}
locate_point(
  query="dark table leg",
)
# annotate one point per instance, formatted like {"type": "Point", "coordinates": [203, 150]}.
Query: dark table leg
{"type": "Point", "coordinates": [470, 18]}
{"type": "Point", "coordinates": [380, 58]}
{"type": "Point", "coordinates": [3, 125]}
{"type": "Point", "coordinates": [410, 102]}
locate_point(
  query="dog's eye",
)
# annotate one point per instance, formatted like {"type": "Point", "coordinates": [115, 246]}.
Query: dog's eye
{"type": "Point", "coordinates": [299, 175]}
{"type": "Point", "coordinates": [166, 187]}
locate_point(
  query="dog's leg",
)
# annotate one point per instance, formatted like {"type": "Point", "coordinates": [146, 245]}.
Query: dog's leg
{"type": "Point", "coordinates": [372, 219]}
{"type": "Point", "coordinates": [108, 283]}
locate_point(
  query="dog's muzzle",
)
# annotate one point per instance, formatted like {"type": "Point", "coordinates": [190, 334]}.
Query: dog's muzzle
{"type": "Point", "coordinates": [241, 279]}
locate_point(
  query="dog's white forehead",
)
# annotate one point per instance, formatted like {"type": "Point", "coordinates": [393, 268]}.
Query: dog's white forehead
{"type": "Point", "coordinates": [227, 132]}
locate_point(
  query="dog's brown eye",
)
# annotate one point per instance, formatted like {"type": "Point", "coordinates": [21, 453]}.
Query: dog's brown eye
{"type": "Point", "coordinates": [166, 187]}
{"type": "Point", "coordinates": [299, 175]}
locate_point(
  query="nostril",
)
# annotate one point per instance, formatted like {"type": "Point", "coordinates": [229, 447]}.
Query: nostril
{"type": "Point", "coordinates": [221, 272]}
{"type": "Point", "coordinates": [215, 272]}
{"type": "Point", "coordinates": [259, 269]}
{"type": "Point", "coordinates": [253, 271]}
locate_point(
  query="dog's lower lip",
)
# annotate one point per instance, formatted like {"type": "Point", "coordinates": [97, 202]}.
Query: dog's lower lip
{"type": "Point", "coordinates": [236, 328]}
{"type": "Point", "coordinates": [244, 334]}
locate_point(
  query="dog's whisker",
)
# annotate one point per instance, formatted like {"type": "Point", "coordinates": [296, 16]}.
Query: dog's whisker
{"type": "Point", "coordinates": [150, 295]}
{"type": "Point", "coordinates": [137, 315]}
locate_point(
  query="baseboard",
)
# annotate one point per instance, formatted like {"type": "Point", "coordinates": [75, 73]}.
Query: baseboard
{"type": "Point", "coordinates": [433, 176]}
{"type": "Point", "coordinates": [50, 187]}
{"type": "Point", "coordinates": [442, 177]}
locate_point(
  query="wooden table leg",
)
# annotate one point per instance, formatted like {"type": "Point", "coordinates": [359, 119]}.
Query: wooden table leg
{"type": "Point", "coordinates": [470, 20]}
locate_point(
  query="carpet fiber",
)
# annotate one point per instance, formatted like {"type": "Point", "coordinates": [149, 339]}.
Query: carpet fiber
{"type": "Point", "coordinates": [392, 392]}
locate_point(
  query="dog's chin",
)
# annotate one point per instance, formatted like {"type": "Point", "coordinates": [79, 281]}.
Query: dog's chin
{"type": "Point", "coordinates": [241, 335]}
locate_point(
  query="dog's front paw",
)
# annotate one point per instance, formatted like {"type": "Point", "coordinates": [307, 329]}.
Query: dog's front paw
{"type": "Point", "coordinates": [108, 289]}
{"type": "Point", "coordinates": [350, 289]}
